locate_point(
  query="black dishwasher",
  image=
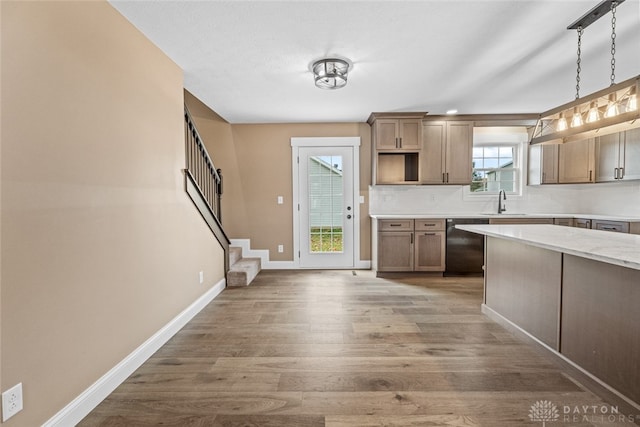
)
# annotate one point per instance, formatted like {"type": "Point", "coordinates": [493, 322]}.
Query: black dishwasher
{"type": "Point", "coordinates": [465, 250]}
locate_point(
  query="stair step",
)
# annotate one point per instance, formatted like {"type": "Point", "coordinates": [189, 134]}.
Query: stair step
{"type": "Point", "coordinates": [243, 272]}
{"type": "Point", "coordinates": [235, 255]}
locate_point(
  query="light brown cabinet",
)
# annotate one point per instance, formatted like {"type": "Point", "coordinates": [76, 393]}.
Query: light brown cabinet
{"type": "Point", "coordinates": [397, 134]}
{"type": "Point", "coordinates": [549, 164]}
{"type": "Point", "coordinates": [430, 241]}
{"type": "Point", "coordinates": [618, 156]}
{"type": "Point", "coordinates": [567, 222]}
{"type": "Point", "coordinates": [576, 162]}
{"type": "Point", "coordinates": [543, 164]}
{"type": "Point", "coordinates": [395, 245]}
{"type": "Point", "coordinates": [446, 152]}
{"type": "Point", "coordinates": [397, 142]}
{"type": "Point", "coordinates": [408, 245]}
{"type": "Point", "coordinates": [582, 223]}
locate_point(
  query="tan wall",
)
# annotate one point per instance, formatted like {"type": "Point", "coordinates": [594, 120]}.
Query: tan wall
{"type": "Point", "coordinates": [100, 247]}
{"type": "Point", "coordinates": [264, 163]}
{"type": "Point", "coordinates": [256, 165]}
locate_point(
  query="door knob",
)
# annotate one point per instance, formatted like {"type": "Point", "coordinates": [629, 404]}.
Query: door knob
{"type": "Point", "coordinates": [348, 216]}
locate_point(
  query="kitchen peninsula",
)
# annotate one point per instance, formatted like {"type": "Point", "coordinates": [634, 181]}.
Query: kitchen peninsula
{"type": "Point", "coordinates": [573, 290]}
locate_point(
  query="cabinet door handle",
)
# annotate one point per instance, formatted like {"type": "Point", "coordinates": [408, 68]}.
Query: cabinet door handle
{"type": "Point", "coordinates": [395, 225]}
{"type": "Point", "coordinates": [590, 174]}
{"type": "Point", "coordinates": [615, 173]}
{"type": "Point", "coordinates": [400, 139]}
{"type": "Point", "coordinates": [443, 177]}
{"type": "Point", "coordinates": [429, 234]}
{"type": "Point", "coordinates": [428, 225]}
{"type": "Point", "coordinates": [412, 238]}
{"type": "Point", "coordinates": [447, 177]}
{"type": "Point", "coordinates": [621, 173]}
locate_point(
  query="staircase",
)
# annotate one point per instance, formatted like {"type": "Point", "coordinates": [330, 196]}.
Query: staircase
{"type": "Point", "coordinates": [241, 270]}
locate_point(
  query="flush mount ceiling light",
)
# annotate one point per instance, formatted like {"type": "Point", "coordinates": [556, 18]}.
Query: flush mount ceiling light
{"type": "Point", "coordinates": [330, 73]}
{"type": "Point", "coordinates": [610, 110]}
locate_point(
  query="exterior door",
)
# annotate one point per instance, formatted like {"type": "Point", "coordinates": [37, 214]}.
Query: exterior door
{"type": "Point", "coordinates": [326, 214]}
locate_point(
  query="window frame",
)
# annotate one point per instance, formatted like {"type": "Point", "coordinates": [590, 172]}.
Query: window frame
{"type": "Point", "coordinates": [517, 136]}
{"type": "Point", "coordinates": [516, 167]}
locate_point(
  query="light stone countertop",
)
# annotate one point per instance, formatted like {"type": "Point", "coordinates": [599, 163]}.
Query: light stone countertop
{"type": "Point", "coordinates": [614, 248]}
{"type": "Point", "coordinates": [506, 215]}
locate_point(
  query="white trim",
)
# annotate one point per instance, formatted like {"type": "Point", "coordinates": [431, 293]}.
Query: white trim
{"type": "Point", "coordinates": [498, 318]}
{"type": "Point", "coordinates": [363, 265]}
{"type": "Point", "coordinates": [338, 141]}
{"type": "Point", "coordinates": [267, 264]}
{"type": "Point", "coordinates": [82, 405]}
{"type": "Point", "coordinates": [263, 254]}
{"type": "Point", "coordinates": [346, 141]}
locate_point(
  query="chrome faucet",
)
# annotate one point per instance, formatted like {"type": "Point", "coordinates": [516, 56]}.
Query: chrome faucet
{"type": "Point", "coordinates": [501, 206]}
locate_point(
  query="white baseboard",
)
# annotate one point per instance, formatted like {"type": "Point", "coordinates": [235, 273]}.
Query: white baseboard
{"type": "Point", "coordinates": [267, 264]}
{"type": "Point", "coordinates": [363, 265]}
{"type": "Point", "coordinates": [80, 407]}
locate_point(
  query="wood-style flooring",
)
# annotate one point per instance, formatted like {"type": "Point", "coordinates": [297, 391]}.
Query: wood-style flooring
{"type": "Point", "coordinates": [345, 349]}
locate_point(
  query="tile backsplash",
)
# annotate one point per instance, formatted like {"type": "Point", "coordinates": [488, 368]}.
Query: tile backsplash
{"type": "Point", "coordinates": [617, 198]}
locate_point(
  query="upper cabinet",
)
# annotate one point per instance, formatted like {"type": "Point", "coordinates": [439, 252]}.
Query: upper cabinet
{"type": "Point", "coordinates": [397, 142]}
{"type": "Point", "coordinates": [397, 134]}
{"type": "Point", "coordinates": [607, 158]}
{"type": "Point", "coordinates": [543, 164]}
{"type": "Point", "coordinates": [568, 163]}
{"type": "Point", "coordinates": [447, 148]}
{"type": "Point", "coordinates": [576, 162]}
{"type": "Point", "coordinates": [549, 165]}
{"type": "Point", "coordinates": [618, 156]}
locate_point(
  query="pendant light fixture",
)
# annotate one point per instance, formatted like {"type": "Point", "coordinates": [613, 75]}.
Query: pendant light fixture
{"type": "Point", "coordinates": [330, 73]}
{"type": "Point", "coordinates": [610, 110]}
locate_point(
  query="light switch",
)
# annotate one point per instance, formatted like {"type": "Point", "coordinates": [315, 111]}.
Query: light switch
{"type": "Point", "coordinates": [280, 200]}
{"type": "Point", "coordinates": [361, 199]}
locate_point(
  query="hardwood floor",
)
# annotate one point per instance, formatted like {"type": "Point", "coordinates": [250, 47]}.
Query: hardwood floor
{"type": "Point", "coordinates": [344, 349]}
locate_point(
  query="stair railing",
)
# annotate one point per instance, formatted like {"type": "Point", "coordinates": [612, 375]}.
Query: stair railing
{"type": "Point", "coordinates": [200, 167]}
{"type": "Point", "coordinates": [203, 183]}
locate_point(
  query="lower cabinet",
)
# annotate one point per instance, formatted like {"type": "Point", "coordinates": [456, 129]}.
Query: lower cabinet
{"type": "Point", "coordinates": [582, 223]}
{"type": "Point", "coordinates": [616, 226]}
{"type": "Point", "coordinates": [395, 251]}
{"type": "Point", "coordinates": [567, 222]}
{"type": "Point", "coordinates": [408, 245]}
{"type": "Point", "coordinates": [429, 250]}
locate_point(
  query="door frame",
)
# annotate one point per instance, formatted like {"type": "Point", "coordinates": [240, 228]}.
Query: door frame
{"type": "Point", "coordinates": [346, 141]}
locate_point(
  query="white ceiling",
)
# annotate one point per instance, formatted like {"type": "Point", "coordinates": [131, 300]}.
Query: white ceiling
{"type": "Point", "coordinates": [249, 60]}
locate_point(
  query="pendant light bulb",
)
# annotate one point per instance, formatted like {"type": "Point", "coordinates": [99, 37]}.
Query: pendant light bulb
{"type": "Point", "coordinates": [576, 120]}
{"type": "Point", "coordinates": [612, 107]}
{"type": "Point", "coordinates": [562, 123]}
{"type": "Point", "coordinates": [632, 101]}
{"type": "Point", "coordinates": [594, 114]}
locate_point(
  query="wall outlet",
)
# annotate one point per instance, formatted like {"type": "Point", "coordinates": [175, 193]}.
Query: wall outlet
{"type": "Point", "coordinates": [11, 402]}
{"type": "Point", "coordinates": [201, 277]}
{"type": "Point", "coordinates": [280, 200]}
{"type": "Point", "coordinates": [280, 248]}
